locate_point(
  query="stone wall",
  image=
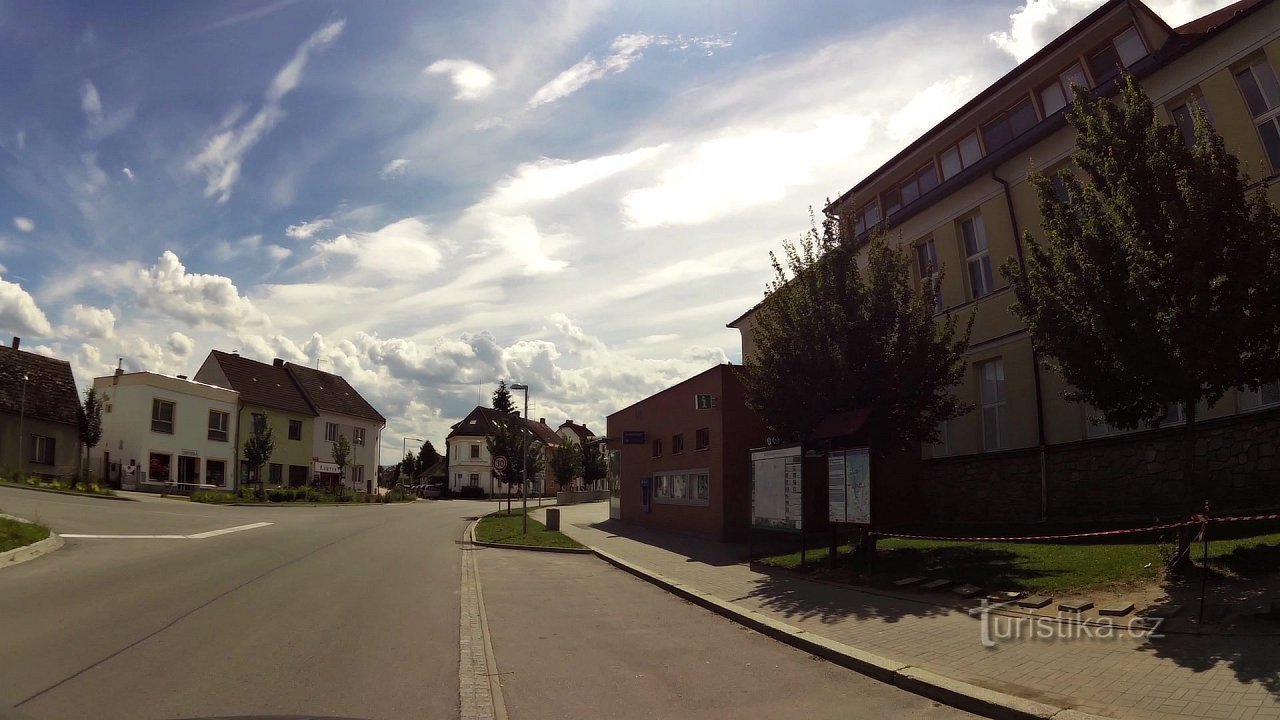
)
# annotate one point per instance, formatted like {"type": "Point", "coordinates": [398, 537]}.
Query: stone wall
{"type": "Point", "coordinates": [1133, 477]}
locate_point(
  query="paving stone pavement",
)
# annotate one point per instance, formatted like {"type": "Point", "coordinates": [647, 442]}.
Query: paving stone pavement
{"type": "Point", "coordinates": [475, 694]}
{"type": "Point", "coordinates": [1125, 675]}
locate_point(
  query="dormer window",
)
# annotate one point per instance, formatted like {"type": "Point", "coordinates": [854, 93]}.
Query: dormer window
{"type": "Point", "coordinates": [1058, 94]}
{"type": "Point", "coordinates": [960, 156]}
{"type": "Point", "coordinates": [1124, 50]}
{"type": "Point", "coordinates": [919, 183]}
{"type": "Point", "coordinates": [1009, 125]}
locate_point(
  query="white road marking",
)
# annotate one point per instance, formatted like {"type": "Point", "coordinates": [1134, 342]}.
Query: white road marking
{"type": "Point", "coordinates": [197, 536]}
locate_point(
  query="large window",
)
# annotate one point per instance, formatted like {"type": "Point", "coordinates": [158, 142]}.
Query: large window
{"type": "Point", "coordinates": [42, 449]}
{"type": "Point", "coordinates": [685, 487]}
{"type": "Point", "coordinates": [1124, 50]}
{"type": "Point", "coordinates": [161, 416]}
{"type": "Point", "coordinates": [927, 266]}
{"type": "Point", "coordinates": [960, 156]}
{"type": "Point", "coordinates": [475, 479]}
{"type": "Point", "coordinates": [357, 436]}
{"type": "Point", "coordinates": [702, 439]}
{"type": "Point", "coordinates": [215, 472]}
{"type": "Point", "coordinates": [1262, 95]}
{"type": "Point", "coordinates": [866, 218]}
{"type": "Point", "coordinates": [1008, 125]}
{"type": "Point", "coordinates": [331, 432]}
{"type": "Point", "coordinates": [1184, 117]}
{"type": "Point", "coordinates": [295, 429]}
{"type": "Point", "coordinates": [158, 467]}
{"type": "Point", "coordinates": [277, 473]}
{"type": "Point", "coordinates": [657, 447]}
{"type": "Point", "coordinates": [1173, 415]}
{"type": "Point", "coordinates": [677, 443]}
{"type": "Point", "coordinates": [977, 257]}
{"type": "Point", "coordinates": [920, 182]}
{"type": "Point", "coordinates": [995, 422]}
{"type": "Point", "coordinates": [218, 425]}
{"type": "Point", "coordinates": [475, 451]}
{"type": "Point", "coordinates": [1252, 398]}
{"type": "Point", "coordinates": [1058, 94]}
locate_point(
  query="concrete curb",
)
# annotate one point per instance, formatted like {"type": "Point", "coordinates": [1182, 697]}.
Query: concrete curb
{"type": "Point", "coordinates": [298, 504]}
{"type": "Point", "coordinates": [15, 556]}
{"type": "Point", "coordinates": [471, 537]}
{"type": "Point", "coordinates": [956, 693]}
{"type": "Point", "coordinates": [66, 492]}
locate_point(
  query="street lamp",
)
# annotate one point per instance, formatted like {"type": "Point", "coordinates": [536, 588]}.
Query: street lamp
{"type": "Point", "coordinates": [22, 415]}
{"type": "Point", "coordinates": [404, 450]}
{"type": "Point", "coordinates": [524, 459]}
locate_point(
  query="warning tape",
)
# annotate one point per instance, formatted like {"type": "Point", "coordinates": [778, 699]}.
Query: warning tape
{"type": "Point", "coordinates": [1068, 536]}
{"type": "Point", "coordinates": [1245, 518]}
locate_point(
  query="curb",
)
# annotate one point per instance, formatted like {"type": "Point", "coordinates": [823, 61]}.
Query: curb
{"type": "Point", "coordinates": [15, 556]}
{"type": "Point", "coordinates": [67, 492]}
{"type": "Point", "coordinates": [956, 693]}
{"type": "Point", "coordinates": [298, 504]}
{"type": "Point", "coordinates": [471, 537]}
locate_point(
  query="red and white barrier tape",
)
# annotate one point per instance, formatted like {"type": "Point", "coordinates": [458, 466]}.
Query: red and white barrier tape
{"type": "Point", "coordinates": [1069, 536]}
{"type": "Point", "coordinates": [1245, 518]}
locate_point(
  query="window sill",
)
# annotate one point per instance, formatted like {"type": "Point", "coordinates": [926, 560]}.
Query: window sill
{"type": "Point", "coordinates": [702, 449]}
{"type": "Point", "coordinates": [676, 501]}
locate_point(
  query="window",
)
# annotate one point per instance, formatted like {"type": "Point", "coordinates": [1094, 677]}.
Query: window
{"type": "Point", "coordinates": [475, 451]}
{"type": "Point", "coordinates": [702, 439]}
{"type": "Point", "coordinates": [42, 449]}
{"type": "Point", "coordinates": [994, 420]}
{"type": "Point", "coordinates": [1058, 94]}
{"type": "Point", "coordinates": [1266, 394]}
{"type": "Point", "coordinates": [866, 218]}
{"type": "Point", "coordinates": [218, 425]}
{"type": "Point", "coordinates": [475, 479]}
{"type": "Point", "coordinates": [295, 429]}
{"type": "Point", "coordinates": [981, 282]}
{"type": "Point", "coordinates": [941, 448]}
{"type": "Point", "coordinates": [960, 156]}
{"type": "Point", "coordinates": [1173, 415]}
{"type": "Point", "coordinates": [920, 182]}
{"type": "Point", "coordinates": [1184, 117]}
{"type": "Point", "coordinates": [455, 453]}
{"type": "Point", "coordinates": [692, 487]}
{"type": "Point", "coordinates": [677, 443]}
{"type": "Point", "coordinates": [158, 467]}
{"type": "Point", "coordinates": [657, 447]}
{"type": "Point", "coordinates": [357, 436]}
{"type": "Point", "coordinates": [1129, 46]}
{"type": "Point", "coordinates": [927, 266]}
{"type": "Point", "coordinates": [188, 470]}
{"type": "Point", "coordinates": [277, 473]}
{"type": "Point", "coordinates": [1124, 50]}
{"type": "Point", "coordinates": [215, 472]}
{"type": "Point", "coordinates": [161, 416]}
{"type": "Point", "coordinates": [357, 476]}
{"type": "Point", "coordinates": [1262, 95]}
{"type": "Point", "coordinates": [1010, 124]}
{"type": "Point", "coordinates": [331, 432]}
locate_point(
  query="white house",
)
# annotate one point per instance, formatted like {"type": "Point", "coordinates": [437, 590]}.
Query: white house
{"type": "Point", "coordinates": [341, 411]}
{"type": "Point", "coordinates": [467, 450]}
{"type": "Point", "coordinates": [159, 430]}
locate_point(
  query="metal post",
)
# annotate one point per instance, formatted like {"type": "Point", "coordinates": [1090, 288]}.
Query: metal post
{"type": "Point", "coordinates": [22, 416]}
{"type": "Point", "coordinates": [524, 467]}
{"type": "Point", "coordinates": [1204, 561]}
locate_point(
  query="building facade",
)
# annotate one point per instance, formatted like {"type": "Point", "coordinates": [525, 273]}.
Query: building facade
{"type": "Point", "coordinates": [579, 434]}
{"type": "Point", "coordinates": [959, 199]}
{"type": "Point", "coordinates": [684, 462]}
{"type": "Point", "coordinates": [39, 414]}
{"type": "Point", "coordinates": [159, 432]}
{"type": "Point", "coordinates": [267, 390]}
{"type": "Point", "coordinates": [342, 411]}
{"type": "Point", "coordinates": [469, 461]}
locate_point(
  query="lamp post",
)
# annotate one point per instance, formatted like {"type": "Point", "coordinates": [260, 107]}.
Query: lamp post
{"type": "Point", "coordinates": [22, 416]}
{"type": "Point", "coordinates": [404, 450]}
{"type": "Point", "coordinates": [524, 459]}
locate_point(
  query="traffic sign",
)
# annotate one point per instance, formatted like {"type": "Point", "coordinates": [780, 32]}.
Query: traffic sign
{"type": "Point", "coordinates": [500, 463]}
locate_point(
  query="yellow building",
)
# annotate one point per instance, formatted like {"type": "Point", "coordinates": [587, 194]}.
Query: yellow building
{"type": "Point", "coordinates": [960, 198]}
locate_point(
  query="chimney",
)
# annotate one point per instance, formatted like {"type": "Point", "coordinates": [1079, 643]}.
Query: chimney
{"type": "Point", "coordinates": [542, 420]}
{"type": "Point", "coordinates": [278, 362]}
{"type": "Point", "coordinates": [115, 379]}
{"type": "Point", "coordinates": [182, 377]}
{"type": "Point", "coordinates": [17, 341]}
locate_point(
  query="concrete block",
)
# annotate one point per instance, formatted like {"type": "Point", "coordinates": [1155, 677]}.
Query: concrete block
{"type": "Point", "coordinates": [936, 584]}
{"type": "Point", "coordinates": [1075, 606]}
{"type": "Point", "coordinates": [908, 581]}
{"type": "Point", "coordinates": [1035, 602]}
{"type": "Point", "coordinates": [1005, 596]}
{"type": "Point", "coordinates": [1116, 610]}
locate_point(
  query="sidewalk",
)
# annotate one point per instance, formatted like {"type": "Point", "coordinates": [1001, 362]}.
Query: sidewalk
{"type": "Point", "coordinates": [1174, 677]}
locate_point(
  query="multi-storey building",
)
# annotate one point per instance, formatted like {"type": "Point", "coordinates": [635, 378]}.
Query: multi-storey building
{"type": "Point", "coordinates": [469, 462]}
{"type": "Point", "coordinates": [959, 197]}
{"type": "Point", "coordinates": [342, 412]}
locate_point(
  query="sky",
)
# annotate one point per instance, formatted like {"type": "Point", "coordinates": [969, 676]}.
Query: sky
{"type": "Point", "coordinates": [428, 197]}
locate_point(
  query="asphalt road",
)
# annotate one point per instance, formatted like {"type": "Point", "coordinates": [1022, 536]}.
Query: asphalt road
{"type": "Point", "coordinates": [341, 611]}
{"type": "Point", "coordinates": [576, 638]}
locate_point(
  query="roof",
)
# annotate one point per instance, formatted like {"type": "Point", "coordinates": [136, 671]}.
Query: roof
{"type": "Point", "coordinates": [332, 393]}
{"type": "Point", "coordinates": [582, 431]}
{"type": "Point", "coordinates": [262, 384]}
{"type": "Point", "coordinates": [713, 369]}
{"type": "Point", "coordinates": [485, 421]}
{"type": "Point", "coordinates": [50, 388]}
{"type": "Point", "coordinates": [1218, 18]}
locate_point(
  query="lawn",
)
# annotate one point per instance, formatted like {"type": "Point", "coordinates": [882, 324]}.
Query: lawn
{"type": "Point", "coordinates": [1044, 567]}
{"type": "Point", "coordinates": [505, 527]}
{"type": "Point", "coordinates": [14, 534]}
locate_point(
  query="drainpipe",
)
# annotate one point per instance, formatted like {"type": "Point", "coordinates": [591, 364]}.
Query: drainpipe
{"type": "Point", "coordinates": [235, 471]}
{"type": "Point", "coordinates": [1035, 357]}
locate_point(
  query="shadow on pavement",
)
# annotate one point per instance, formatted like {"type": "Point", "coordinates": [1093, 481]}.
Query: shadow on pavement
{"type": "Point", "coordinates": [695, 549]}
{"type": "Point", "coordinates": [795, 597]}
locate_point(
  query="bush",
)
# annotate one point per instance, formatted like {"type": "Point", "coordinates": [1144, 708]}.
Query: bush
{"type": "Point", "coordinates": [472, 491]}
{"type": "Point", "coordinates": [213, 497]}
{"type": "Point", "coordinates": [399, 495]}
{"type": "Point", "coordinates": [247, 493]}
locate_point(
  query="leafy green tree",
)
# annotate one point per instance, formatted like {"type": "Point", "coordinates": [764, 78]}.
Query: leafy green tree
{"type": "Point", "coordinates": [259, 446]}
{"type": "Point", "coordinates": [833, 337]}
{"type": "Point", "coordinates": [1156, 279]}
{"type": "Point", "coordinates": [566, 462]}
{"type": "Point", "coordinates": [595, 463]}
{"type": "Point", "coordinates": [90, 423]}
{"type": "Point", "coordinates": [342, 458]}
{"type": "Point", "coordinates": [408, 469]}
{"type": "Point", "coordinates": [427, 456]}
{"type": "Point", "coordinates": [502, 401]}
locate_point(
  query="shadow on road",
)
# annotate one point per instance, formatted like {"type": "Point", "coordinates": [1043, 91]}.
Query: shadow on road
{"type": "Point", "coordinates": [695, 549]}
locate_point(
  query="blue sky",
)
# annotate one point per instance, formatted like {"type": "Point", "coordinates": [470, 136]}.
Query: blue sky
{"type": "Point", "coordinates": [426, 197]}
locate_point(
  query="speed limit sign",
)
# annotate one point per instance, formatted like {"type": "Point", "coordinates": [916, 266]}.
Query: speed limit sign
{"type": "Point", "coordinates": [500, 463]}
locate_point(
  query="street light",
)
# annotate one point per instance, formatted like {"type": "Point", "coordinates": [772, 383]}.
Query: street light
{"type": "Point", "coordinates": [404, 450]}
{"type": "Point", "coordinates": [524, 459]}
{"type": "Point", "coordinates": [22, 415]}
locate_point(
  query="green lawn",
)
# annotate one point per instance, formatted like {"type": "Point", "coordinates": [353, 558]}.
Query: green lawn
{"type": "Point", "coordinates": [14, 534]}
{"type": "Point", "coordinates": [504, 527]}
{"type": "Point", "coordinates": [1044, 567]}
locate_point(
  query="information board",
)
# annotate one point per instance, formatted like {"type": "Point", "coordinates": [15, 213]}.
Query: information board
{"type": "Point", "coordinates": [776, 498]}
{"type": "Point", "coordinates": [849, 486]}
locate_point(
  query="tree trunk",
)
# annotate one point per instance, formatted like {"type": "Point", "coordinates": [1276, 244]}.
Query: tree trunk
{"type": "Point", "coordinates": [1190, 486]}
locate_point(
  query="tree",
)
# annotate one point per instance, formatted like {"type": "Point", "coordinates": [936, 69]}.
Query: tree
{"type": "Point", "coordinates": [566, 462]}
{"type": "Point", "coordinates": [1157, 277]}
{"type": "Point", "coordinates": [427, 456]}
{"type": "Point", "coordinates": [505, 442]}
{"type": "Point", "coordinates": [408, 468]}
{"type": "Point", "coordinates": [341, 458]}
{"type": "Point", "coordinates": [830, 338]}
{"type": "Point", "coordinates": [595, 463]}
{"type": "Point", "coordinates": [502, 401]}
{"type": "Point", "coordinates": [90, 424]}
{"type": "Point", "coordinates": [259, 446]}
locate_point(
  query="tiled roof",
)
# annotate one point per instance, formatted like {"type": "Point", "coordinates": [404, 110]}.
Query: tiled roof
{"type": "Point", "coordinates": [50, 387]}
{"type": "Point", "coordinates": [262, 384]}
{"type": "Point", "coordinates": [485, 420]}
{"type": "Point", "coordinates": [582, 431]}
{"type": "Point", "coordinates": [1216, 18]}
{"type": "Point", "coordinates": [332, 393]}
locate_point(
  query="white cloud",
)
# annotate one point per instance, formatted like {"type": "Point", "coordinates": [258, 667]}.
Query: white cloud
{"type": "Point", "coordinates": [198, 299]}
{"type": "Point", "coordinates": [550, 178]}
{"type": "Point", "coordinates": [91, 102]}
{"type": "Point", "coordinates": [19, 312]}
{"type": "Point", "coordinates": [1177, 12]}
{"type": "Point", "coordinates": [24, 224]}
{"type": "Point", "coordinates": [89, 322]}
{"type": "Point", "coordinates": [91, 178]}
{"type": "Point", "coordinates": [305, 230]}
{"type": "Point", "coordinates": [21, 138]}
{"type": "Point", "coordinates": [250, 245]}
{"type": "Point", "coordinates": [929, 107]}
{"type": "Point", "coordinates": [471, 80]}
{"type": "Point", "coordinates": [127, 173]}
{"type": "Point", "coordinates": [403, 249]}
{"type": "Point", "coordinates": [221, 158]}
{"type": "Point", "coordinates": [180, 344]}
{"type": "Point", "coordinates": [626, 50]}
{"type": "Point", "coordinates": [394, 169]}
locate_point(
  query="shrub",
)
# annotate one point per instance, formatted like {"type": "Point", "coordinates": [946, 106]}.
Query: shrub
{"type": "Point", "coordinates": [214, 497]}
{"type": "Point", "coordinates": [247, 493]}
{"type": "Point", "coordinates": [55, 485]}
{"type": "Point", "coordinates": [471, 491]}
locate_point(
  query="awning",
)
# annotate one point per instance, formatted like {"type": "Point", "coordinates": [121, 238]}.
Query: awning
{"type": "Point", "coordinates": [841, 424]}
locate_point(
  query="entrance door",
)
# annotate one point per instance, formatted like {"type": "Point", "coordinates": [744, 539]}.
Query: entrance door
{"type": "Point", "coordinates": [646, 494]}
{"type": "Point", "coordinates": [188, 470]}
{"type": "Point", "coordinates": [615, 485]}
